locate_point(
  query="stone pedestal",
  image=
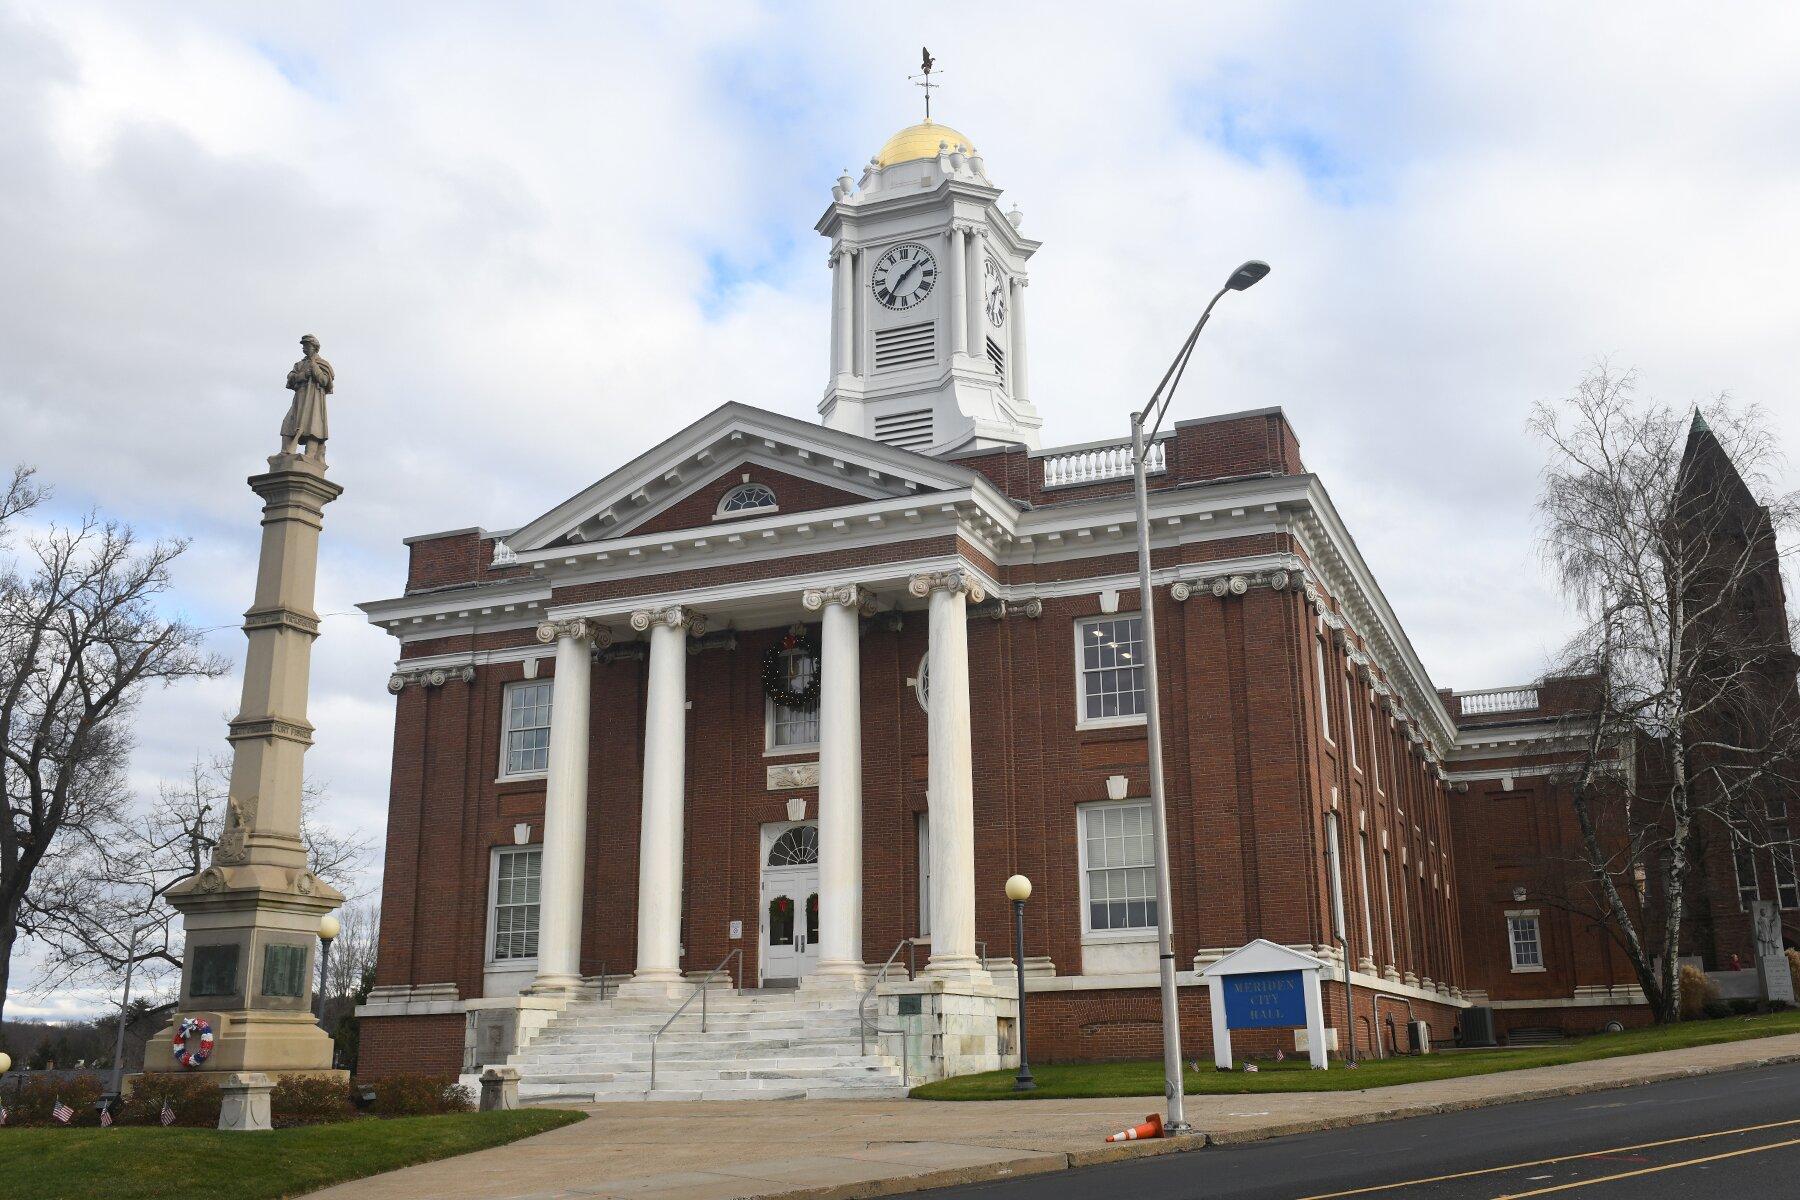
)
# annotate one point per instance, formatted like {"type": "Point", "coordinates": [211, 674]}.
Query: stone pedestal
{"type": "Point", "coordinates": [500, 1089]}
{"type": "Point", "coordinates": [244, 1102]}
{"type": "Point", "coordinates": [252, 916]}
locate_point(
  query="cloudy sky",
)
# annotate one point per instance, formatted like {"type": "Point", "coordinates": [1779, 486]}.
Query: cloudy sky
{"type": "Point", "coordinates": [535, 239]}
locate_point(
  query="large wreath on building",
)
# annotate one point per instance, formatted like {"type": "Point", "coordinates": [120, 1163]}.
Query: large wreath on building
{"type": "Point", "coordinates": [777, 684]}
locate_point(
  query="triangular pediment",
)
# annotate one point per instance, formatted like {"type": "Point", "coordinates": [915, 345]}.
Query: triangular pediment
{"type": "Point", "coordinates": [1262, 955]}
{"type": "Point", "coordinates": [679, 483]}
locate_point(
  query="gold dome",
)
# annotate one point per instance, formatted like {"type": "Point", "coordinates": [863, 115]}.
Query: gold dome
{"type": "Point", "coordinates": [920, 141]}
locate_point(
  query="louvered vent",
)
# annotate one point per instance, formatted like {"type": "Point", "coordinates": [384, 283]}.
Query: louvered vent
{"type": "Point", "coordinates": [997, 356]}
{"type": "Point", "coordinates": [906, 346]}
{"type": "Point", "coordinates": [905, 430]}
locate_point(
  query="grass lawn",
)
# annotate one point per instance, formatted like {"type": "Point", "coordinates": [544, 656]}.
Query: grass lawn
{"type": "Point", "coordinates": [1062, 1080]}
{"type": "Point", "coordinates": [143, 1163]}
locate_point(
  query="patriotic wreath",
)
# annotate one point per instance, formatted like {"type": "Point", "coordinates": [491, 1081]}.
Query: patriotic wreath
{"type": "Point", "coordinates": [193, 1042]}
{"type": "Point", "coordinates": [776, 684]}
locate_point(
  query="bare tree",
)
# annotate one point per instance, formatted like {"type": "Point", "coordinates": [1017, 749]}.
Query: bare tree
{"type": "Point", "coordinates": [81, 637]}
{"type": "Point", "coordinates": [1659, 535]}
{"type": "Point", "coordinates": [101, 906]}
{"type": "Point", "coordinates": [353, 954]}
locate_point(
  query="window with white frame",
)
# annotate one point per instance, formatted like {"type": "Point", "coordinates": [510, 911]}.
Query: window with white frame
{"type": "Point", "coordinates": [795, 728]}
{"type": "Point", "coordinates": [1334, 867]}
{"type": "Point", "coordinates": [1387, 909]}
{"type": "Point", "coordinates": [1375, 748]}
{"type": "Point", "coordinates": [747, 498]}
{"type": "Point", "coordinates": [1362, 872]}
{"type": "Point", "coordinates": [527, 728]}
{"type": "Point", "coordinates": [1350, 723]}
{"type": "Point", "coordinates": [1118, 867]}
{"type": "Point", "coordinates": [517, 872]}
{"type": "Point", "coordinates": [1743, 863]}
{"type": "Point", "coordinates": [1524, 941]}
{"type": "Point", "coordinates": [1110, 658]}
{"type": "Point", "coordinates": [1324, 694]}
{"type": "Point", "coordinates": [1787, 884]}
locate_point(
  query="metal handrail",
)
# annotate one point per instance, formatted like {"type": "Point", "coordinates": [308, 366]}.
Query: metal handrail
{"type": "Point", "coordinates": [704, 986]}
{"type": "Point", "coordinates": [862, 1005]}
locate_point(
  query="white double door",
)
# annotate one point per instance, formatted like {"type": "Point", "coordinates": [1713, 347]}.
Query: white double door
{"type": "Point", "coordinates": [790, 902]}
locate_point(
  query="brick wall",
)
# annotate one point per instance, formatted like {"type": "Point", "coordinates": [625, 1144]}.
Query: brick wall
{"type": "Point", "coordinates": [410, 1046]}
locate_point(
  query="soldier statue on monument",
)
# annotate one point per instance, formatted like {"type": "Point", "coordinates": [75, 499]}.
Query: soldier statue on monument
{"type": "Point", "coordinates": [305, 426]}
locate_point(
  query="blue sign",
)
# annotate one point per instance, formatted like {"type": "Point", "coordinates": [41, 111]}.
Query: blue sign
{"type": "Point", "coordinates": [1264, 1000]}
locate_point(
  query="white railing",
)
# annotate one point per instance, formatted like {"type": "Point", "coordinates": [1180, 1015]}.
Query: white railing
{"type": "Point", "coordinates": [1093, 462]}
{"type": "Point", "coordinates": [1498, 700]}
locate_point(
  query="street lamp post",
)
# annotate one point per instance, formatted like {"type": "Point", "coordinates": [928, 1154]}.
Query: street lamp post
{"type": "Point", "coordinates": [118, 1071]}
{"type": "Point", "coordinates": [1018, 890]}
{"type": "Point", "coordinates": [328, 930]}
{"type": "Point", "coordinates": [1141, 441]}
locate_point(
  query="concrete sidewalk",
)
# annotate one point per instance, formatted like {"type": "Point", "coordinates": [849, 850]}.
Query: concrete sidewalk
{"type": "Point", "coordinates": [854, 1148]}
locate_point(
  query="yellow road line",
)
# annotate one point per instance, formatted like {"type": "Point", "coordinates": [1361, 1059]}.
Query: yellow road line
{"type": "Point", "coordinates": [1545, 1162]}
{"type": "Point", "coordinates": [1692, 1162]}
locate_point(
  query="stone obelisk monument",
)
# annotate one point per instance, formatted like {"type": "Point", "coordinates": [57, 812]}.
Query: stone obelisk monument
{"type": "Point", "coordinates": [252, 916]}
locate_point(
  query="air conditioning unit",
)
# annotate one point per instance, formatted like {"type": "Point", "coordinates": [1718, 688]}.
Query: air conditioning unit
{"type": "Point", "coordinates": [1418, 1037]}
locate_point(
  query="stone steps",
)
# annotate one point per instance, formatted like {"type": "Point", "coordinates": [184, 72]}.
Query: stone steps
{"type": "Point", "coordinates": [763, 1046]}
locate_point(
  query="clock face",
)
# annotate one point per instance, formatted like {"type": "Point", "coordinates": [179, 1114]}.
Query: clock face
{"type": "Point", "coordinates": [996, 293]}
{"type": "Point", "coordinates": [904, 276]}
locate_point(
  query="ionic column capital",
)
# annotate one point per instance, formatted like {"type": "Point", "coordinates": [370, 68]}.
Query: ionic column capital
{"type": "Point", "coordinates": [946, 581]}
{"type": "Point", "coordinates": [849, 595]}
{"type": "Point", "coordinates": [675, 617]}
{"type": "Point", "coordinates": [578, 629]}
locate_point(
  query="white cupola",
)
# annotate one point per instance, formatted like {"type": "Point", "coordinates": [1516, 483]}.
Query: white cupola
{"type": "Point", "coordinates": [928, 288]}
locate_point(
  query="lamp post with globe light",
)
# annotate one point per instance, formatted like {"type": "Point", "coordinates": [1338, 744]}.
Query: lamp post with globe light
{"type": "Point", "coordinates": [1018, 890]}
{"type": "Point", "coordinates": [329, 926]}
{"type": "Point", "coordinates": [1141, 441]}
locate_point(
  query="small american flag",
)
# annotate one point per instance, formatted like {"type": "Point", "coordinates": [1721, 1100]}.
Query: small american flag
{"type": "Point", "coordinates": [62, 1112]}
{"type": "Point", "coordinates": [106, 1118]}
{"type": "Point", "coordinates": [168, 1114]}
{"type": "Point", "coordinates": [2, 1114]}
{"type": "Point", "coordinates": [1279, 1056]}
{"type": "Point", "coordinates": [1251, 1067]}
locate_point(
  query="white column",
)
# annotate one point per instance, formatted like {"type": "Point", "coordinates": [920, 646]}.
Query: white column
{"type": "Point", "coordinates": [977, 298]}
{"type": "Point", "coordinates": [565, 806]}
{"type": "Point", "coordinates": [1021, 390]}
{"type": "Point", "coordinates": [1215, 990]}
{"type": "Point", "coordinates": [1315, 1020]}
{"type": "Point", "coordinates": [665, 794]}
{"type": "Point", "coordinates": [840, 786]}
{"type": "Point", "coordinates": [842, 293]}
{"type": "Point", "coordinates": [950, 779]}
{"type": "Point", "coordinates": [959, 287]}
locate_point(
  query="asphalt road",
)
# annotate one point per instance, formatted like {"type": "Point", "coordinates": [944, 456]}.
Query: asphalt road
{"type": "Point", "coordinates": [1731, 1135]}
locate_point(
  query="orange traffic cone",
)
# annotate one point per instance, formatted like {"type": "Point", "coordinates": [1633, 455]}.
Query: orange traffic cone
{"type": "Point", "coordinates": [1151, 1128]}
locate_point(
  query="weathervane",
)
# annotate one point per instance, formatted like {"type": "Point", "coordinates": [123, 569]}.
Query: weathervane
{"type": "Point", "coordinates": [924, 81]}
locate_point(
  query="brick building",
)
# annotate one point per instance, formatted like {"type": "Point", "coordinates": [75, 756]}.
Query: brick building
{"type": "Point", "coordinates": [794, 699]}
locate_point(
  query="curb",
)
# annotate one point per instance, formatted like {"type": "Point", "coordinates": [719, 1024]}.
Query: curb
{"type": "Point", "coordinates": [1048, 1162]}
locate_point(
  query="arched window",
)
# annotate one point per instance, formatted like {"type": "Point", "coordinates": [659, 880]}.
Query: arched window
{"type": "Point", "coordinates": [747, 498]}
{"type": "Point", "coordinates": [797, 847]}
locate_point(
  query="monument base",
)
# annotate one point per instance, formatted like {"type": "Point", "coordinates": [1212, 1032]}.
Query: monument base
{"type": "Point", "coordinates": [248, 971]}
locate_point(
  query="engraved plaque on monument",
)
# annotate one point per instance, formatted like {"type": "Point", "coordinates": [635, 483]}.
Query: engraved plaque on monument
{"type": "Point", "coordinates": [215, 970]}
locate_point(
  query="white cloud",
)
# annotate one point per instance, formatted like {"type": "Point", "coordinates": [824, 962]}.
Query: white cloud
{"type": "Point", "coordinates": [535, 239]}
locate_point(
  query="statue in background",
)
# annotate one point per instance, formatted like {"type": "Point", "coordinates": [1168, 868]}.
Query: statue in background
{"type": "Point", "coordinates": [305, 427]}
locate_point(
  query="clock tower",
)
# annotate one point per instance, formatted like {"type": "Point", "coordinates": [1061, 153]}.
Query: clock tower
{"type": "Point", "coordinates": [927, 301]}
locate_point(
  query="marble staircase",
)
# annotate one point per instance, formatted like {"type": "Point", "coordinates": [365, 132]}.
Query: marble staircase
{"type": "Point", "coordinates": [757, 1045]}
